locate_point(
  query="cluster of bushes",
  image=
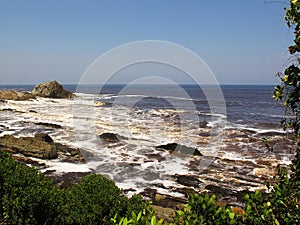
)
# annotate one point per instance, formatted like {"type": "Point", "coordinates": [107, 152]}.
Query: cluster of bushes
{"type": "Point", "coordinates": [27, 197]}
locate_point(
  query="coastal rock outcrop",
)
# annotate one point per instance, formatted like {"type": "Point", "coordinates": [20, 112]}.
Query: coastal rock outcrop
{"type": "Point", "coordinates": [15, 95]}
{"type": "Point", "coordinates": [51, 89]}
{"type": "Point", "coordinates": [182, 149]}
{"type": "Point", "coordinates": [29, 146]}
{"type": "Point", "coordinates": [40, 146]}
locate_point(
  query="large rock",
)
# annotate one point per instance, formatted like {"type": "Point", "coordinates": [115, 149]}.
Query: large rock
{"type": "Point", "coordinates": [182, 149]}
{"type": "Point", "coordinates": [51, 89]}
{"type": "Point", "coordinates": [188, 180]}
{"type": "Point", "coordinates": [15, 95]}
{"type": "Point", "coordinates": [40, 146]}
{"type": "Point", "coordinates": [109, 137]}
{"type": "Point", "coordinates": [29, 146]}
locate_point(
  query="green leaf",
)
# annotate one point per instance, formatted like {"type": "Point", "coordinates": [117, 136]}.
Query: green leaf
{"type": "Point", "coordinates": [139, 216]}
{"type": "Point", "coordinates": [153, 220]}
{"type": "Point", "coordinates": [231, 215]}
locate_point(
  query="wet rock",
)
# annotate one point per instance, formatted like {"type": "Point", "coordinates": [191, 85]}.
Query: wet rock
{"type": "Point", "coordinates": [43, 137]}
{"type": "Point", "coordinates": [110, 137]}
{"type": "Point", "coordinates": [164, 213]}
{"type": "Point", "coordinates": [186, 191]}
{"type": "Point", "coordinates": [40, 146]}
{"type": "Point", "coordinates": [28, 146]}
{"type": "Point", "coordinates": [155, 156]}
{"type": "Point", "coordinates": [149, 192]}
{"type": "Point", "coordinates": [7, 110]}
{"type": "Point", "coordinates": [29, 161]}
{"type": "Point", "coordinates": [51, 89]}
{"type": "Point", "coordinates": [126, 191]}
{"type": "Point", "coordinates": [182, 149]}
{"type": "Point", "coordinates": [151, 176]}
{"type": "Point", "coordinates": [204, 134]}
{"type": "Point", "coordinates": [165, 201]}
{"type": "Point", "coordinates": [188, 180]}
{"type": "Point", "coordinates": [235, 134]}
{"type": "Point", "coordinates": [69, 154]}
{"type": "Point", "coordinates": [15, 95]}
{"type": "Point", "coordinates": [203, 124]}
{"type": "Point", "coordinates": [3, 128]}
{"type": "Point", "coordinates": [51, 125]}
{"type": "Point", "coordinates": [272, 133]}
{"type": "Point", "coordinates": [217, 190]}
{"type": "Point", "coordinates": [231, 197]}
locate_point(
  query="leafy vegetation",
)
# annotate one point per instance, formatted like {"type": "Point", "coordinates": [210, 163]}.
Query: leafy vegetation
{"type": "Point", "coordinates": [289, 89]}
{"type": "Point", "coordinates": [27, 197]}
{"type": "Point", "coordinates": [204, 210]}
{"type": "Point", "coordinates": [142, 218]}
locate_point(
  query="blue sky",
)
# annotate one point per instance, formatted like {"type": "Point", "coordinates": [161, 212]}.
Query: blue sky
{"type": "Point", "coordinates": [243, 42]}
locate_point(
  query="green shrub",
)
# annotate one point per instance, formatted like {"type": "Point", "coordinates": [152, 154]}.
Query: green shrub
{"type": "Point", "coordinates": [281, 205]}
{"type": "Point", "coordinates": [26, 195]}
{"type": "Point", "coordinates": [204, 210]}
{"type": "Point", "coordinates": [94, 200]}
{"type": "Point", "coordinates": [142, 218]}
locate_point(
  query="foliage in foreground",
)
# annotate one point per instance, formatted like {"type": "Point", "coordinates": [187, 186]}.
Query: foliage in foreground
{"type": "Point", "coordinates": [27, 197]}
{"type": "Point", "coordinates": [289, 89]}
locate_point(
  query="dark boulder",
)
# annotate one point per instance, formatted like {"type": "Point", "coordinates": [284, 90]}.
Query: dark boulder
{"type": "Point", "coordinates": [188, 180]}
{"type": "Point", "coordinates": [51, 125]}
{"type": "Point", "coordinates": [182, 149]}
{"type": "Point", "coordinates": [51, 89]}
{"type": "Point", "coordinates": [109, 137]}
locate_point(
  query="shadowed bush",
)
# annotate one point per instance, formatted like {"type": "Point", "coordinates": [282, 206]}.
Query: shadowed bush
{"type": "Point", "coordinates": [27, 197]}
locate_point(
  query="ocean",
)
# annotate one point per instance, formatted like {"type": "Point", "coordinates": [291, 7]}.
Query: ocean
{"type": "Point", "coordinates": [227, 130]}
